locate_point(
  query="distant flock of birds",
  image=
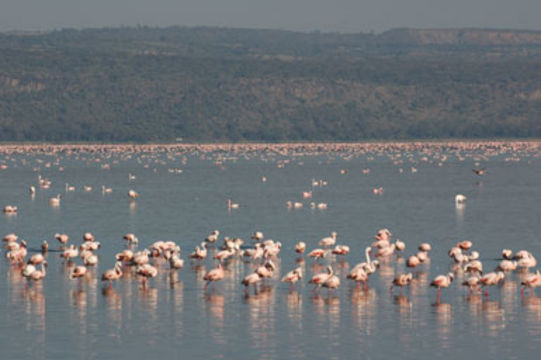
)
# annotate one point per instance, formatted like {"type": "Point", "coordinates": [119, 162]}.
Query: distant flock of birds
{"type": "Point", "coordinates": [262, 254]}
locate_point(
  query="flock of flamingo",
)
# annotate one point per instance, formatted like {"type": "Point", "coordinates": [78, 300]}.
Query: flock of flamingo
{"type": "Point", "coordinates": [262, 254]}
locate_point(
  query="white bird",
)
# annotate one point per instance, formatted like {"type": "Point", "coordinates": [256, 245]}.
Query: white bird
{"type": "Point", "coordinates": [329, 240]}
{"type": "Point", "coordinates": [460, 199]}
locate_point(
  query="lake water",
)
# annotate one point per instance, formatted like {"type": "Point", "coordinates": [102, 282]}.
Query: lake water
{"type": "Point", "coordinates": [175, 318]}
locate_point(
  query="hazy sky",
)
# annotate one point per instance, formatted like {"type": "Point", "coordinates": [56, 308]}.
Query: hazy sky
{"type": "Point", "coordinates": [304, 15]}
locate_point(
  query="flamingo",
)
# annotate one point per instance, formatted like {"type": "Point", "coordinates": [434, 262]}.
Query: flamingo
{"type": "Point", "coordinates": [474, 266]}
{"type": "Point", "coordinates": [329, 240]}
{"type": "Point", "coordinates": [36, 259]}
{"type": "Point", "coordinates": [112, 274]}
{"type": "Point", "coordinates": [125, 256]}
{"type": "Point", "coordinates": [141, 257]}
{"type": "Point", "coordinates": [522, 254]}
{"type": "Point", "coordinates": [383, 235]}
{"type": "Point", "coordinates": [251, 279]}
{"type": "Point", "coordinates": [442, 281]}
{"type": "Point", "coordinates": [340, 250]}
{"type": "Point", "coordinates": [87, 236]}
{"type": "Point", "coordinates": [532, 281]}
{"type": "Point", "coordinates": [70, 253]}
{"type": "Point", "coordinates": [11, 246]}
{"type": "Point", "coordinates": [176, 263]}
{"type": "Point", "coordinates": [492, 279]}
{"type": "Point", "coordinates": [266, 270]}
{"type": "Point", "coordinates": [272, 250]}
{"type": "Point", "coordinates": [402, 280]}
{"type": "Point", "coordinates": [232, 205]}
{"type": "Point", "coordinates": [425, 247]}
{"type": "Point", "coordinates": [507, 265]}
{"type": "Point", "coordinates": [89, 259]}
{"type": "Point", "coordinates": [358, 275]}
{"type": "Point", "coordinates": [317, 253]}
{"type": "Point", "coordinates": [200, 253]}
{"type": "Point", "coordinates": [11, 237]}
{"type": "Point", "coordinates": [320, 278]}
{"type": "Point", "coordinates": [62, 238]}
{"type": "Point", "coordinates": [472, 282]}
{"type": "Point", "coordinates": [300, 247]}
{"type": "Point", "coordinates": [212, 237]}
{"type": "Point", "coordinates": [257, 235]}
{"type": "Point", "coordinates": [132, 194]}
{"type": "Point", "coordinates": [28, 270]}
{"type": "Point", "coordinates": [44, 247]}
{"type": "Point", "coordinates": [38, 275]}
{"type": "Point", "coordinates": [507, 254]}
{"type": "Point", "coordinates": [413, 261]}
{"type": "Point", "coordinates": [527, 262]}
{"type": "Point", "coordinates": [400, 245]}
{"type": "Point", "coordinates": [55, 201]}
{"type": "Point", "coordinates": [78, 272]}
{"type": "Point", "coordinates": [224, 254]}
{"type": "Point", "coordinates": [460, 199]}
{"type": "Point", "coordinates": [386, 251]}
{"type": "Point", "coordinates": [214, 275]}
{"type": "Point", "coordinates": [293, 276]}
{"type": "Point", "coordinates": [465, 245]}
{"type": "Point", "coordinates": [333, 282]}
{"type": "Point", "coordinates": [19, 254]}
{"type": "Point", "coordinates": [131, 239]}
{"type": "Point", "coordinates": [255, 253]}
{"type": "Point", "coordinates": [147, 271]}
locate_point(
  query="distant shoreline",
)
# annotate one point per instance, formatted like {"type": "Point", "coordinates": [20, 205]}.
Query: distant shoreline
{"type": "Point", "coordinates": [516, 144]}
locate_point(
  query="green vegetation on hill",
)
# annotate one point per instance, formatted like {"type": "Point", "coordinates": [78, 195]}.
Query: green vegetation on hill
{"type": "Point", "coordinates": [207, 84]}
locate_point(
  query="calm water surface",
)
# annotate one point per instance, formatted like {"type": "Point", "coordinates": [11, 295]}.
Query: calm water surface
{"type": "Point", "coordinates": [175, 318]}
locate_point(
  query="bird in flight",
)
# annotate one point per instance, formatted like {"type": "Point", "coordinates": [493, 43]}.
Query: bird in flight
{"type": "Point", "coordinates": [479, 172]}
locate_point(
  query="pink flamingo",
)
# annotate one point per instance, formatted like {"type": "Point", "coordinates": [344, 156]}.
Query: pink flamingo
{"type": "Point", "coordinates": [147, 271]}
{"type": "Point", "coordinates": [472, 282]}
{"type": "Point", "coordinates": [293, 276]}
{"type": "Point", "coordinates": [532, 281]}
{"type": "Point", "coordinates": [320, 278]}
{"type": "Point", "coordinates": [401, 281]}
{"type": "Point", "coordinates": [333, 282]}
{"type": "Point", "coordinates": [214, 275]}
{"type": "Point", "coordinates": [442, 281]}
{"type": "Point", "coordinates": [78, 272]}
{"type": "Point", "coordinates": [300, 247]}
{"type": "Point", "coordinates": [317, 253]}
{"type": "Point", "coordinates": [251, 279]}
{"type": "Point", "coordinates": [112, 274]}
{"type": "Point", "coordinates": [492, 279]}
{"type": "Point", "coordinates": [39, 274]}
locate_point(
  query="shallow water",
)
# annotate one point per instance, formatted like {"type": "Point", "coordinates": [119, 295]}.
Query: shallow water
{"type": "Point", "coordinates": [174, 316]}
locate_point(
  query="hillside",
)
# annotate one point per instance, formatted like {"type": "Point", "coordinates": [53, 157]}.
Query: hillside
{"type": "Point", "coordinates": [206, 84]}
